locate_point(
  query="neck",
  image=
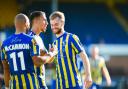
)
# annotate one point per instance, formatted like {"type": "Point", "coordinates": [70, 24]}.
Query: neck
{"type": "Point", "coordinates": [61, 33]}
{"type": "Point", "coordinates": [36, 30]}
{"type": "Point", "coordinates": [18, 31]}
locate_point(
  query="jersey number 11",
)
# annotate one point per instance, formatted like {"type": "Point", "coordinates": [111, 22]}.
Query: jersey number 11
{"type": "Point", "coordinates": [21, 57]}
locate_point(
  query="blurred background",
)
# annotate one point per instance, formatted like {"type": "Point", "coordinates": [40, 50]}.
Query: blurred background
{"type": "Point", "coordinates": [103, 23]}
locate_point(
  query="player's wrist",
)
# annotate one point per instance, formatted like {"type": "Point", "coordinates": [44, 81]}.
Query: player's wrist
{"type": "Point", "coordinates": [88, 73]}
{"type": "Point", "coordinates": [52, 54]}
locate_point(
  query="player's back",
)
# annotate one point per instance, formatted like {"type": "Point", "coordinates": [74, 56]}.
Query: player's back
{"type": "Point", "coordinates": [19, 49]}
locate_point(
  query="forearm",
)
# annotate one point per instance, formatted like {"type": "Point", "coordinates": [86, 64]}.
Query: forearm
{"type": "Point", "coordinates": [50, 60]}
{"type": "Point", "coordinates": [108, 80]}
{"type": "Point", "coordinates": [106, 75]}
{"type": "Point", "coordinates": [88, 78]}
{"type": "Point", "coordinates": [6, 77]}
{"type": "Point", "coordinates": [39, 60]}
{"type": "Point", "coordinates": [51, 57]}
{"type": "Point", "coordinates": [6, 72]}
{"type": "Point", "coordinates": [85, 63]}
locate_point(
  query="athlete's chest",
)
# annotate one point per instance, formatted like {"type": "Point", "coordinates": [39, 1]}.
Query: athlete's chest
{"type": "Point", "coordinates": [62, 44]}
{"type": "Point", "coordinates": [39, 42]}
{"type": "Point", "coordinates": [95, 64]}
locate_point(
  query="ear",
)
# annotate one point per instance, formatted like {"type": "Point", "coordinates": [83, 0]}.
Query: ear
{"type": "Point", "coordinates": [27, 25]}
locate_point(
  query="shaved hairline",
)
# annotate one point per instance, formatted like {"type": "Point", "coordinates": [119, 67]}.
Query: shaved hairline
{"type": "Point", "coordinates": [21, 18]}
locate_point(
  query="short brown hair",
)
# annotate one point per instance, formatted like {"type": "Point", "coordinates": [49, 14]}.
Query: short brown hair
{"type": "Point", "coordinates": [36, 14]}
{"type": "Point", "coordinates": [57, 14]}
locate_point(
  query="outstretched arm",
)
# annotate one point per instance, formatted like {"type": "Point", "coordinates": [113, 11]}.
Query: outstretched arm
{"type": "Point", "coordinates": [45, 58]}
{"type": "Point", "coordinates": [51, 54]}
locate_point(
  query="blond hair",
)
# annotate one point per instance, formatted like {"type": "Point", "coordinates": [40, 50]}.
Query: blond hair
{"type": "Point", "coordinates": [57, 14]}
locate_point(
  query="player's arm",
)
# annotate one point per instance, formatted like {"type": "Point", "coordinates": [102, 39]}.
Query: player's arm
{"type": "Point", "coordinates": [39, 60]}
{"type": "Point", "coordinates": [106, 74]}
{"type": "Point", "coordinates": [35, 53]}
{"type": "Point", "coordinates": [86, 64]}
{"type": "Point", "coordinates": [77, 46]}
{"type": "Point", "coordinates": [46, 58]}
{"type": "Point", "coordinates": [52, 53]}
{"type": "Point", "coordinates": [43, 52]}
{"type": "Point", "coordinates": [6, 73]}
{"type": "Point", "coordinates": [5, 67]}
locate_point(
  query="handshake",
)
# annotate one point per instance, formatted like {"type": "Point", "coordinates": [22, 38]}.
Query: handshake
{"type": "Point", "coordinates": [53, 51]}
{"type": "Point", "coordinates": [48, 57]}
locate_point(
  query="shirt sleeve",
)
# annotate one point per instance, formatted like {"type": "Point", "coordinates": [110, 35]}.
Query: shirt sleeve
{"type": "Point", "coordinates": [76, 44]}
{"type": "Point", "coordinates": [102, 62]}
{"type": "Point", "coordinates": [3, 53]}
{"type": "Point", "coordinates": [34, 48]}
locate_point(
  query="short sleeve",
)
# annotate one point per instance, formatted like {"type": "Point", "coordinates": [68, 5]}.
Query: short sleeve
{"type": "Point", "coordinates": [76, 44]}
{"type": "Point", "coordinates": [34, 48]}
{"type": "Point", "coordinates": [3, 53]}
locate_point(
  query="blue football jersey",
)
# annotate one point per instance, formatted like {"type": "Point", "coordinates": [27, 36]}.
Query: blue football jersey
{"type": "Point", "coordinates": [18, 50]}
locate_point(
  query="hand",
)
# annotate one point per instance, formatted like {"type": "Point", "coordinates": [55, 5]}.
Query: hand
{"type": "Point", "coordinates": [53, 50]}
{"type": "Point", "coordinates": [109, 82]}
{"type": "Point", "coordinates": [88, 81]}
{"type": "Point", "coordinates": [43, 52]}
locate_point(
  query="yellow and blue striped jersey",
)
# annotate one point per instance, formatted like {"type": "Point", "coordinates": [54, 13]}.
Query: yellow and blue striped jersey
{"type": "Point", "coordinates": [18, 50]}
{"type": "Point", "coordinates": [67, 71]}
{"type": "Point", "coordinates": [96, 69]}
{"type": "Point", "coordinates": [40, 71]}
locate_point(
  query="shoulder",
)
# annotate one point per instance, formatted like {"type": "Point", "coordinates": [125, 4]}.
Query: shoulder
{"type": "Point", "coordinates": [5, 42]}
{"type": "Point", "coordinates": [28, 36]}
{"type": "Point", "coordinates": [101, 60]}
{"type": "Point", "coordinates": [73, 36]}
